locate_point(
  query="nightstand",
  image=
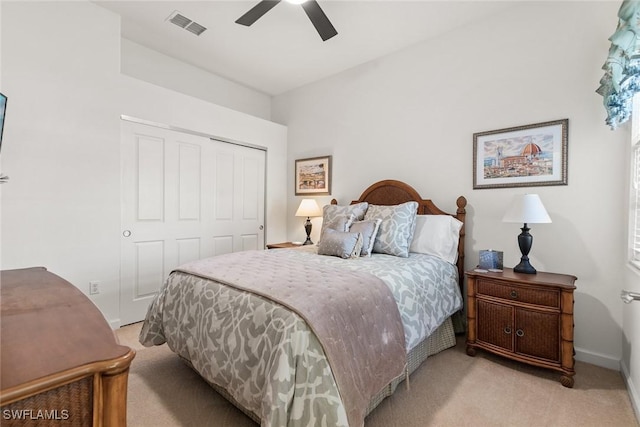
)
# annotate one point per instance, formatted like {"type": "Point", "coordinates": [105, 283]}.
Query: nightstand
{"type": "Point", "coordinates": [525, 317]}
{"type": "Point", "coordinates": [283, 245]}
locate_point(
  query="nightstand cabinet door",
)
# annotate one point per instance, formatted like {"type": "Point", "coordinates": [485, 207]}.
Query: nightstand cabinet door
{"type": "Point", "coordinates": [537, 334]}
{"type": "Point", "coordinates": [495, 324]}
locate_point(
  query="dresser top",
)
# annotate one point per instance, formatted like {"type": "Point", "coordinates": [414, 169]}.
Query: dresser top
{"type": "Point", "coordinates": [48, 326]}
{"type": "Point", "coordinates": [540, 278]}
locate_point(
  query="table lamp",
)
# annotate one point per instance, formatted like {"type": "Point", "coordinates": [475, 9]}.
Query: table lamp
{"type": "Point", "coordinates": [308, 208]}
{"type": "Point", "coordinates": [527, 209]}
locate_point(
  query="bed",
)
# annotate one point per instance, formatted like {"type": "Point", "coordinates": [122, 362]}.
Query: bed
{"type": "Point", "coordinates": [320, 335]}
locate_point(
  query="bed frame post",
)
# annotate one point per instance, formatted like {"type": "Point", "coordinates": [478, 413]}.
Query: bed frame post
{"type": "Point", "coordinates": [461, 214]}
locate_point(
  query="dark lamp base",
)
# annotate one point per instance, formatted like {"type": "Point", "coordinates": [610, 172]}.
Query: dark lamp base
{"type": "Point", "coordinates": [524, 267]}
{"type": "Point", "coordinates": [525, 240]}
{"type": "Point", "coordinates": [307, 229]}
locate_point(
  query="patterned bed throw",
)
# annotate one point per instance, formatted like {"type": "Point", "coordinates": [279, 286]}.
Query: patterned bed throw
{"type": "Point", "coordinates": [274, 361]}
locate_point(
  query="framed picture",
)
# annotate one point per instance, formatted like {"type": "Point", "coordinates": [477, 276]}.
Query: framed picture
{"type": "Point", "coordinates": [313, 176]}
{"type": "Point", "coordinates": [524, 156]}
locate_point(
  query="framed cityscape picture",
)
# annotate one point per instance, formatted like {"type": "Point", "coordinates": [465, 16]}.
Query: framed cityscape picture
{"type": "Point", "coordinates": [523, 156]}
{"type": "Point", "coordinates": [313, 176]}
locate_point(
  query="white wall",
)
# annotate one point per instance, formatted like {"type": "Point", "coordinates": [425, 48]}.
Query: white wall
{"type": "Point", "coordinates": [61, 208]}
{"type": "Point", "coordinates": [411, 116]}
{"type": "Point", "coordinates": [151, 66]}
{"type": "Point", "coordinates": [61, 145]}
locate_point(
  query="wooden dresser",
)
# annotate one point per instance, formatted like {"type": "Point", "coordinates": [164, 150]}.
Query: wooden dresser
{"type": "Point", "coordinates": [60, 364]}
{"type": "Point", "coordinates": [525, 317]}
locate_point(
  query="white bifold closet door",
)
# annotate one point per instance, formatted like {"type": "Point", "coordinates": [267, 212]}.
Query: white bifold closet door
{"type": "Point", "coordinates": [184, 197]}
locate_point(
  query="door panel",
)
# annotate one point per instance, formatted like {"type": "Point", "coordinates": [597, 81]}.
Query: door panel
{"type": "Point", "coordinates": [149, 264]}
{"type": "Point", "coordinates": [495, 324]}
{"type": "Point", "coordinates": [189, 178]}
{"type": "Point", "coordinates": [184, 197]}
{"type": "Point", "coordinates": [538, 334]}
{"type": "Point", "coordinates": [188, 250]}
{"type": "Point", "coordinates": [149, 165]}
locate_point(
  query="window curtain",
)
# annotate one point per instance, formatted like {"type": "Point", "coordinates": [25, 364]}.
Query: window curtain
{"type": "Point", "coordinates": [621, 80]}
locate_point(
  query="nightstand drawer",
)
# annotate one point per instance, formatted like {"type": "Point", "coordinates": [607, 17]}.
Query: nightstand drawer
{"type": "Point", "coordinates": [514, 292]}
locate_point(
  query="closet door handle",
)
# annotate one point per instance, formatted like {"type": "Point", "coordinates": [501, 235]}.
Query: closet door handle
{"type": "Point", "coordinates": [126, 233]}
{"type": "Point", "coordinates": [507, 330]}
{"type": "Point", "coordinates": [520, 333]}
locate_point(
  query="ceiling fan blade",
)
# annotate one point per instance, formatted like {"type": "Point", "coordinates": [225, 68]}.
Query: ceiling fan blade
{"type": "Point", "coordinates": [256, 12]}
{"type": "Point", "coordinates": [319, 19]}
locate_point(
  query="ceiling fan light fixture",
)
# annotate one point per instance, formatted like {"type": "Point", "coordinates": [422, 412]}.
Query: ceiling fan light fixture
{"type": "Point", "coordinates": [313, 10]}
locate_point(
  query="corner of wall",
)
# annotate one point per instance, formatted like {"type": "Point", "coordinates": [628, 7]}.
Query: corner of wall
{"type": "Point", "coordinates": [597, 359]}
{"type": "Point", "coordinates": [634, 395]}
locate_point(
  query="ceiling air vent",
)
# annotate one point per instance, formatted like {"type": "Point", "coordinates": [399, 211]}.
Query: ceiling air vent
{"type": "Point", "coordinates": [186, 23]}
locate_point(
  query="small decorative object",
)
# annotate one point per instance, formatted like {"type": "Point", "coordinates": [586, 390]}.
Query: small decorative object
{"type": "Point", "coordinates": [308, 208]}
{"type": "Point", "coordinates": [313, 176]}
{"type": "Point", "coordinates": [523, 156]}
{"type": "Point", "coordinates": [527, 209]}
{"type": "Point", "coordinates": [490, 260]}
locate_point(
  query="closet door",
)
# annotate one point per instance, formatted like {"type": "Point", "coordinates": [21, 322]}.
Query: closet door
{"type": "Point", "coordinates": [184, 197]}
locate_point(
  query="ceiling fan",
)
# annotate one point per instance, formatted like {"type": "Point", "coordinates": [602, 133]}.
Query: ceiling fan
{"type": "Point", "coordinates": [311, 7]}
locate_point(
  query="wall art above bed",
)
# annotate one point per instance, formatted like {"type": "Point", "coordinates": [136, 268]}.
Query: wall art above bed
{"type": "Point", "coordinates": [313, 176]}
{"type": "Point", "coordinates": [523, 156]}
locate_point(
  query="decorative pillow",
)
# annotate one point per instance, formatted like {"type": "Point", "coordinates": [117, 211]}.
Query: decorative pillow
{"type": "Point", "coordinates": [368, 229]}
{"type": "Point", "coordinates": [336, 243]}
{"type": "Point", "coordinates": [340, 223]}
{"type": "Point", "coordinates": [331, 212]}
{"type": "Point", "coordinates": [396, 229]}
{"type": "Point", "coordinates": [437, 235]}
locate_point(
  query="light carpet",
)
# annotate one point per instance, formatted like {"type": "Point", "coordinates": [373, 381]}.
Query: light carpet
{"type": "Point", "coordinates": [449, 389]}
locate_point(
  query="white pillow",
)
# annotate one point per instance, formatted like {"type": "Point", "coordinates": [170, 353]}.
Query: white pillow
{"type": "Point", "coordinates": [437, 235]}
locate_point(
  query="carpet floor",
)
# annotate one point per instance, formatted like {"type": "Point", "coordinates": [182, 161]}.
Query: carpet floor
{"type": "Point", "coordinates": [449, 389]}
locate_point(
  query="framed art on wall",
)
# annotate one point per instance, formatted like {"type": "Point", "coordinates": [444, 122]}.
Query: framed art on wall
{"type": "Point", "coordinates": [313, 176]}
{"type": "Point", "coordinates": [523, 156]}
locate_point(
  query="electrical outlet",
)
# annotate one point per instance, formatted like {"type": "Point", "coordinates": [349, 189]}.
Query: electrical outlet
{"type": "Point", "coordinates": [94, 287]}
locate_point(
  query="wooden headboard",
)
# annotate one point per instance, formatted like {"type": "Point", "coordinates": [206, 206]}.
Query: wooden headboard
{"type": "Point", "coordinates": [392, 192]}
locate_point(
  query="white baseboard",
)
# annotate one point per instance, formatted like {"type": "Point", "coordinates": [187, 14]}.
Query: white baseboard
{"type": "Point", "coordinates": [631, 388]}
{"type": "Point", "coordinates": [115, 324]}
{"type": "Point", "coordinates": [597, 359]}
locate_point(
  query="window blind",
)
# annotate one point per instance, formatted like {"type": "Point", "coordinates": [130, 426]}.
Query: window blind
{"type": "Point", "coordinates": [635, 206]}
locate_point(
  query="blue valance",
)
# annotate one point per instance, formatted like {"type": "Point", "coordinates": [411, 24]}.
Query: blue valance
{"type": "Point", "coordinates": [621, 80]}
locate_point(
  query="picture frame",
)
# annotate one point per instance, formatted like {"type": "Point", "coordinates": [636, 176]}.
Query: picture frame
{"type": "Point", "coordinates": [522, 156]}
{"type": "Point", "coordinates": [313, 176]}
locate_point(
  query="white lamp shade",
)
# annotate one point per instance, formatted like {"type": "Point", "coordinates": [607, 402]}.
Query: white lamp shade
{"type": "Point", "coordinates": [308, 207]}
{"type": "Point", "coordinates": [528, 209]}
